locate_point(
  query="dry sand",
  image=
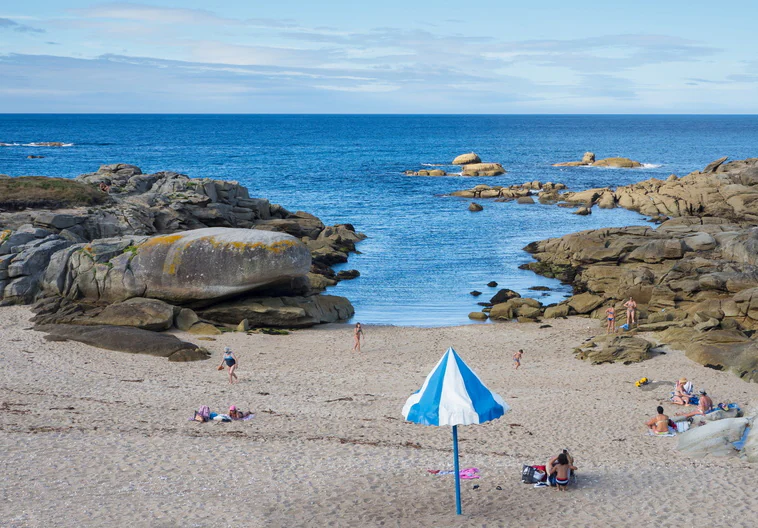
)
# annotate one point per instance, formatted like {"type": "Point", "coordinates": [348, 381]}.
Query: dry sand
{"type": "Point", "coordinates": [97, 438]}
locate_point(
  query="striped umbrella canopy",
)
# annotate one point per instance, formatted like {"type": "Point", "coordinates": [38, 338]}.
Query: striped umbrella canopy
{"type": "Point", "coordinates": [453, 394]}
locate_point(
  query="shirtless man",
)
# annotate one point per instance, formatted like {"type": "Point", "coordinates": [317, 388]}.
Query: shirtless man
{"type": "Point", "coordinates": [517, 359]}
{"type": "Point", "coordinates": [631, 312]}
{"type": "Point", "coordinates": [658, 423]}
{"type": "Point", "coordinates": [704, 405]}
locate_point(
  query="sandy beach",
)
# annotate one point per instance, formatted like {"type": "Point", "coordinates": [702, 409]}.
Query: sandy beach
{"type": "Point", "coordinates": [97, 438]}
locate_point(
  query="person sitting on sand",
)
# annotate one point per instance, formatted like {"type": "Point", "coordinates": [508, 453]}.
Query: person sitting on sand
{"type": "Point", "coordinates": [238, 415]}
{"type": "Point", "coordinates": [631, 312]}
{"type": "Point", "coordinates": [704, 405]}
{"type": "Point", "coordinates": [562, 470]}
{"type": "Point", "coordinates": [517, 359]}
{"type": "Point", "coordinates": [658, 423]}
{"type": "Point", "coordinates": [611, 314]}
{"type": "Point", "coordinates": [682, 392]}
{"type": "Point", "coordinates": [231, 362]}
{"type": "Point", "coordinates": [550, 466]}
{"type": "Point", "coordinates": [357, 336]}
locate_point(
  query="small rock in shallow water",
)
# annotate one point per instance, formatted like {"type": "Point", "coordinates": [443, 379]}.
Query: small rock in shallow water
{"type": "Point", "coordinates": [492, 284]}
{"type": "Point", "coordinates": [475, 293]}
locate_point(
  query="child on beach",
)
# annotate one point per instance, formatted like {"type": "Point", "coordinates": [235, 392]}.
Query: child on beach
{"type": "Point", "coordinates": [562, 470]}
{"type": "Point", "coordinates": [357, 336]}
{"type": "Point", "coordinates": [517, 359]}
{"type": "Point", "coordinates": [231, 361]}
{"type": "Point", "coordinates": [611, 314]}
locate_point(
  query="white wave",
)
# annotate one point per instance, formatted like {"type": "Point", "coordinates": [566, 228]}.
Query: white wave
{"type": "Point", "coordinates": [47, 144]}
{"type": "Point", "coordinates": [651, 165]}
{"type": "Point", "coordinates": [434, 164]}
{"type": "Point", "coordinates": [10, 144]}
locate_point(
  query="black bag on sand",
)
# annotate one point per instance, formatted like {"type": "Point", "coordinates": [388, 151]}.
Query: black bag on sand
{"type": "Point", "coordinates": [528, 476]}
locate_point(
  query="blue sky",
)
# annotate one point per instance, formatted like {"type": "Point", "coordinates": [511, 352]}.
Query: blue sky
{"type": "Point", "coordinates": [379, 57]}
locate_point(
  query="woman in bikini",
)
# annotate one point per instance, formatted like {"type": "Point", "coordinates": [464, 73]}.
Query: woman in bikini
{"type": "Point", "coordinates": [357, 336]}
{"type": "Point", "coordinates": [611, 313]}
{"type": "Point", "coordinates": [230, 362]}
{"type": "Point", "coordinates": [658, 424]}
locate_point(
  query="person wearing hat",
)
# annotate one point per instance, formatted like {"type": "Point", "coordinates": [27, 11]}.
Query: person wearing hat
{"type": "Point", "coordinates": [705, 405]}
{"type": "Point", "coordinates": [238, 415]}
{"type": "Point", "coordinates": [682, 392]}
{"type": "Point", "coordinates": [231, 362]}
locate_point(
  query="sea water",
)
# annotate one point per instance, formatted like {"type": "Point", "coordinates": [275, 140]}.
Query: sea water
{"type": "Point", "coordinates": [425, 251]}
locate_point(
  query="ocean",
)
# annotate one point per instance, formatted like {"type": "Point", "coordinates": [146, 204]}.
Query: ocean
{"type": "Point", "coordinates": [425, 251]}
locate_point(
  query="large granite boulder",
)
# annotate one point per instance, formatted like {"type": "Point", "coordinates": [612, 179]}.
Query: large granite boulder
{"type": "Point", "coordinates": [713, 438]}
{"type": "Point", "coordinates": [466, 159]}
{"type": "Point", "coordinates": [619, 163]}
{"type": "Point", "coordinates": [284, 312]}
{"type": "Point", "coordinates": [483, 169]}
{"type": "Point", "coordinates": [203, 264]}
{"type": "Point", "coordinates": [127, 339]}
{"type": "Point", "coordinates": [615, 349]}
{"type": "Point", "coordinates": [147, 314]}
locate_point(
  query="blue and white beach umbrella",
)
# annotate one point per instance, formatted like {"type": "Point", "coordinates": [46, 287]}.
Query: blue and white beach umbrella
{"type": "Point", "coordinates": [453, 395]}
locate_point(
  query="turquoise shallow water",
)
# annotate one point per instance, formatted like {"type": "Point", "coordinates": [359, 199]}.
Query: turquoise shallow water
{"type": "Point", "coordinates": [425, 251]}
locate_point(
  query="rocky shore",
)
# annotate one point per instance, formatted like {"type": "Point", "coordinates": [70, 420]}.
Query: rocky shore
{"type": "Point", "coordinates": [694, 277]}
{"type": "Point", "coordinates": [119, 248]}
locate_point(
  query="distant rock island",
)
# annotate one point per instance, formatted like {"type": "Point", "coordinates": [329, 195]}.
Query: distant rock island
{"type": "Point", "coordinates": [119, 248]}
{"type": "Point", "coordinates": [471, 165]}
{"type": "Point", "coordinates": [589, 160]}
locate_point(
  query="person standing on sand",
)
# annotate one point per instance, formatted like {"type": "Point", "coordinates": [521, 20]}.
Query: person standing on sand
{"type": "Point", "coordinates": [631, 312]}
{"type": "Point", "coordinates": [611, 314]}
{"type": "Point", "coordinates": [231, 362]}
{"type": "Point", "coordinates": [517, 359]}
{"type": "Point", "coordinates": [357, 336]}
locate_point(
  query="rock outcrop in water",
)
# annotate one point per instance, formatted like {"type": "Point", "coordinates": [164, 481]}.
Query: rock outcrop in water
{"type": "Point", "coordinates": [695, 277]}
{"type": "Point", "coordinates": [589, 160]}
{"type": "Point", "coordinates": [167, 237]}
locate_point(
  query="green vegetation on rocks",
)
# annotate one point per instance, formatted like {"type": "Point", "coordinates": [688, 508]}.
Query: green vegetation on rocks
{"type": "Point", "coordinates": [47, 193]}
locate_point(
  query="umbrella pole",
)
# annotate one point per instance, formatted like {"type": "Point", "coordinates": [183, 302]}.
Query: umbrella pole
{"type": "Point", "coordinates": [457, 472]}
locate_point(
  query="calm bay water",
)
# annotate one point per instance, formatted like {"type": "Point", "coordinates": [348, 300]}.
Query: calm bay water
{"type": "Point", "coordinates": [425, 251]}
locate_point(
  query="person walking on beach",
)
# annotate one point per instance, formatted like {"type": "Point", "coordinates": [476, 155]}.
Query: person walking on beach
{"type": "Point", "coordinates": [357, 336]}
{"type": "Point", "coordinates": [631, 312]}
{"type": "Point", "coordinates": [611, 314]}
{"type": "Point", "coordinates": [517, 359]}
{"type": "Point", "coordinates": [231, 361]}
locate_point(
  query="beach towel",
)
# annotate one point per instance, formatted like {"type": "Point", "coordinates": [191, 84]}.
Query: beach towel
{"type": "Point", "coordinates": [467, 474]}
{"type": "Point", "coordinates": [740, 444]}
{"type": "Point", "coordinates": [671, 432]}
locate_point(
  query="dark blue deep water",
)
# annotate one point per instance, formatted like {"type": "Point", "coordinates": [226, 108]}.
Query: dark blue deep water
{"type": "Point", "coordinates": [425, 252]}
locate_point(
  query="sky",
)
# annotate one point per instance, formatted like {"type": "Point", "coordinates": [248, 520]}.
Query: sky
{"type": "Point", "coordinates": [391, 57]}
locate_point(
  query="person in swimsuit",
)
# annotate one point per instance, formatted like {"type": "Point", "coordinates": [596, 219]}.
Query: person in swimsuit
{"type": "Point", "coordinates": [357, 336]}
{"type": "Point", "coordinates": [631, 312]}
{"type": "Point", "coordinates": [562, 470]}
{"type": "Point", "coordinates": [658, 423]}
{"type": "Point", "coordinates": [611, 314]}
{"type": "Point", "coordinates": [681, 396]}
{"type": "Point", "coordinates": [550, 466]}
{"type": "Point", "coordinates": [705, 405]}
{"type": "Point", "coordinates": [230, 362]}
{"type": "Point", "coordinates": [517, 359]}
